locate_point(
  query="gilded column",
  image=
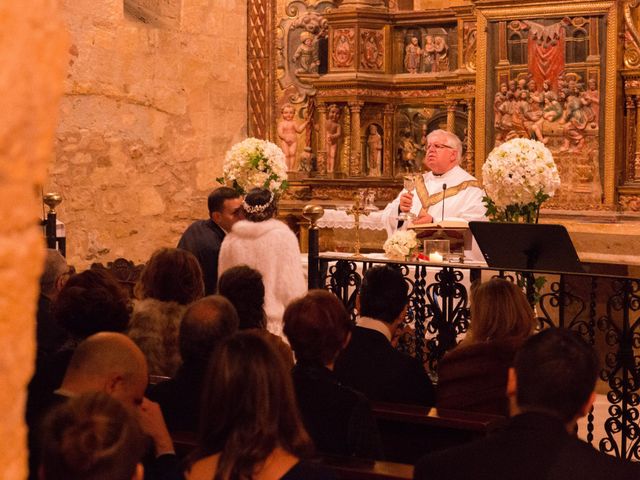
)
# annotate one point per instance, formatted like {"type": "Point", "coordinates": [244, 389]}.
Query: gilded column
{"type": "Point", "coordinates": [503, 58]}
{"type": "Point", "coordinates": [355, 163]}
{"type": "Point", "coordinates": [471, 135]}
{"type": "Point", "coordinates": [387, 161]}
{"type": "Point", "coordinates": [451, 116]}
{"type": "Point", "coordinates": [634, 135]}
{"type": "Point", "coordinates": [322, 138]}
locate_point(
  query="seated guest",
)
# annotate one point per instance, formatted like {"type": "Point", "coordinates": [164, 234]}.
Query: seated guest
{"type": "Point", "coordinates": [370, 364]}
{"type": "Point", "coordinates": [205, 324]}
{"type": "Point", "coordinates": [338, 418]}
{"type": "Point", "coordinates": [550, 387]}
{"type": "Point", "coordinates": [92, 437]}
{"type": "Point", "coordinates": [111, 363]}
{"type": "Point", "coordinates": [243, 287]}
{"type": "Point", "coordinates": [49, 335]}
{"type": "Point", "coordinates": [89, 302]}
{"type": "Point", "coordinates": [204, 237]}
{"type": "Point", "coordinates": [268, 245]}
{"type": "Point", "coordinates": [473, 376]}
{"type": "Point", "coordinates": [170, 281]}
{"type": "Point", "coordinates": [250, 426]}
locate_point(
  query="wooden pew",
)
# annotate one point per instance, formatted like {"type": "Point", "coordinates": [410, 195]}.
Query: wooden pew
{"type": "Point", "coordinates": [125, 271]}
{"type": "Point", "coordinates": [345, 468]}
{"type": "Point", "coordinates": [410, 431]}
{"type": "Point", "coordinates": [351, 468]}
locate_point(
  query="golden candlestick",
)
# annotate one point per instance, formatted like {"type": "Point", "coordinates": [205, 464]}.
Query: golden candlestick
{"type": "Point", "coordinates": [356, 210]}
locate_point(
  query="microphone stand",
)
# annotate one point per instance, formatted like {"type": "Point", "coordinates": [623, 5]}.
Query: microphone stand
{"type": "Point", "coordinates": [444, 191]}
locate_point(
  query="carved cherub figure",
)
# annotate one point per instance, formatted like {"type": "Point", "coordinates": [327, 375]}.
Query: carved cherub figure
{"type": "Point", "coordinates": [288, 132]}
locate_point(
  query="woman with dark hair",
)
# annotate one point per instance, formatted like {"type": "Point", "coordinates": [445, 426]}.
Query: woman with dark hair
{"type": "Point", "coordinates": [90, 302]}
{"type": "Point", "coordinates": [170, 281]}
{"type": "Point", "coordinates": [338, 418]}
{"type": "Point", "coordinates": [92, 437]}
{"type": "Point", "coordinates": [250, 426]}
{"type": "Point", "coordinates": [268, 245]}
{"type": "Point", "coordinates": [243, 287]}
{"type": "Point", "coordinates": [473, 376]}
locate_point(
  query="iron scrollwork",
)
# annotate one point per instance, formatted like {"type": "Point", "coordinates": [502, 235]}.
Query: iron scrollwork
{"type": "Point", "coordinates": [622, 370]}
{"type": "Point", "coordinates": [447, 308]}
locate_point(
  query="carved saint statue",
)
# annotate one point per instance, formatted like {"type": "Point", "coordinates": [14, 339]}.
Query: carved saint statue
{"type": "Point", "coordinates": [374, 151]}
{"type": "Point", "coordinates": [306, 55]}
{"type": "Point", "coordinates": [429, 55]}
{"type": "Point", "coordinates": [333, 134]}
{"type": "Point", "coordinates": [288, 132]}
{"type": "Point", "coordinates": [442, 53]}
{"type": "Point", "coordinates": [407, 150]}
{"type": "Point", "coordinates": [412, 53]}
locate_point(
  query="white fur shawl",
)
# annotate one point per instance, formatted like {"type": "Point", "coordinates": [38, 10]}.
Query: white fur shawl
{"type": "Point", "coordinates": [271, 248]}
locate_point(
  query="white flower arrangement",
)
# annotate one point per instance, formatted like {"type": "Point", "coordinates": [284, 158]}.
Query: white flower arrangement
{"type": "Point", "coordinates": [400, 245]}
{"type": "Point", "coordinates": [255, 163]}
{"type": "Point", "coordinates": [518, 177]}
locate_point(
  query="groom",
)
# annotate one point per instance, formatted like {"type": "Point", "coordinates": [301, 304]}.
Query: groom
{"type": "Point", "coordinates": [204, 237]}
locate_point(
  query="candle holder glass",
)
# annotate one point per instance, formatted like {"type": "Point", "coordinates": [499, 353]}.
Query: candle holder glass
{"type": "Point", "coordinates": [436, 250]}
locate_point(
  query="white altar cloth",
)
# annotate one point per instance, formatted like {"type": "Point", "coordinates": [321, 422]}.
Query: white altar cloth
{"type": "Point", "coordinates": [340, 219]}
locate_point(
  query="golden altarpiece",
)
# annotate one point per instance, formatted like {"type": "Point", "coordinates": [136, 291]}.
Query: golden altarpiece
{"type": "Point", "coordinates": [351, 88]}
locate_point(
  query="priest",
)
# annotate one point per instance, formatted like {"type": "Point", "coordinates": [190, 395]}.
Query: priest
{"type": "Point", "coordinates": [446, 181]}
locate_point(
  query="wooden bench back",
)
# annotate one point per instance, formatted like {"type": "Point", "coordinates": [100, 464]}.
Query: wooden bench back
{"type": "Point", "coordinates": [345, 468]}
{"type": "Point", "coordinates": [410, 431]}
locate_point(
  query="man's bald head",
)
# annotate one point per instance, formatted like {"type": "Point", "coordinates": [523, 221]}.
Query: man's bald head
{"type": "Point", "coordinates": [109, 362]}
{"type": "Point", "coordinates": [205, 323]}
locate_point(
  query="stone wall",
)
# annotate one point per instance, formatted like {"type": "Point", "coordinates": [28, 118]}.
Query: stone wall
{"type": "Point", "coordinates": [33, 51]}
{"type": "Point", "coordinates": [155, 95]}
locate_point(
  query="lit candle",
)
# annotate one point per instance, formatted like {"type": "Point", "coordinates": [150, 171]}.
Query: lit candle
{"type": "Point", "coordinates": [435, 257]}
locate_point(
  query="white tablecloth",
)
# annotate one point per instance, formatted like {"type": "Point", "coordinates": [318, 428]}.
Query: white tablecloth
{"type": "Point", "coordinates": [340, 219]}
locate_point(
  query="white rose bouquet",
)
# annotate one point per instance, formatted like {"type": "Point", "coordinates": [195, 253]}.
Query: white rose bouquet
{"type": "Point", "coordinates": [518, 177]}
{"type": "Point", "coordinates": [255, 163]}
{"type": "Point", "coordinates": [400, 245]}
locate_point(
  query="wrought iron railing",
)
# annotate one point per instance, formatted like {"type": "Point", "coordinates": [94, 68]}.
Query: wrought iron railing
{"type": "Point", "coordinates": [603, 309]}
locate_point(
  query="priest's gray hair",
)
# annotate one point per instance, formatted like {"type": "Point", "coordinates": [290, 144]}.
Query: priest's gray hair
{"type": "Point", "coordinates": [451, 140]}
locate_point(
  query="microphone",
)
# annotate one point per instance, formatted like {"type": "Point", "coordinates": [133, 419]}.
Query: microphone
{"type": "Point", "coordinates": [444, 190]}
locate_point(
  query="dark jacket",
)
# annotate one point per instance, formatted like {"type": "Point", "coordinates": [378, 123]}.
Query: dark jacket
{"type": "Point", "coordinates": [532, 446]}
{"type": "Point", "coordinates": [203, 238]}
{"type": "Point", "coordinates": [179, 398]}
{"type": "Point", "coordinates": [372, 366]}
{"type": "Point", "coordinates": [474, 377]}
{"type": "Point", "coordinates": [338, 419]}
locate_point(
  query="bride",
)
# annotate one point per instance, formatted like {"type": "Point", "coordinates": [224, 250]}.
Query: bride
{"type": "Point", "coordinates": [268, 245]}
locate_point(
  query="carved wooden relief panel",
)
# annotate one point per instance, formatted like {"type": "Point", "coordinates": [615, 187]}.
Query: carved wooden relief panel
{"type": "Point", "coordinates": [371, 50]}
{"type": "Point", "coordinates": [544, 80]}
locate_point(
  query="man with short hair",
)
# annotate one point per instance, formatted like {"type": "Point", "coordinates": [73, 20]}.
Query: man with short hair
{"type": "Point", "coordinates": [204, 325]}
{"type": "Point", "coordinates": [369, 363]}
{"type": "Point", "coordinates": [550, 387]}
{"type": "Point", "coordinates": [204, 237]}
{"type": "Point", "coordinates": [112, 363]}
{"type": "Point", "coordinates": [49, 335]}
{"type": "Point", "coordinates": [463, 193]}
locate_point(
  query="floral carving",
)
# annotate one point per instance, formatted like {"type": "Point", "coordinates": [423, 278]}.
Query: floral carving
{"type": "Point", "coordinates": [372, 49]}
{"type": "Point", "coordinates": [470, 36]}
{"type": "Point", "coordinates": [343, 47]}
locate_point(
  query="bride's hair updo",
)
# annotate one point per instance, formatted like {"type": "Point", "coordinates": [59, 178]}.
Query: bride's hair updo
{"type": "Point", "coordinates": [260, 204]}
